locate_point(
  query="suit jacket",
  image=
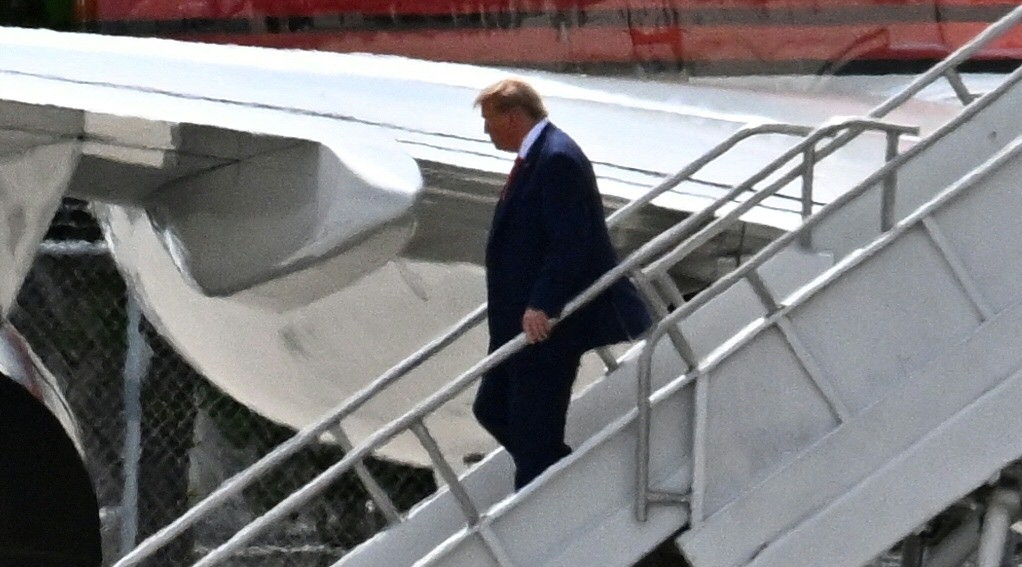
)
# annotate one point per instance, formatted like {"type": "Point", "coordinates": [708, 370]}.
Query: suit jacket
{"type": "Point", "coordinates": [549, 242]}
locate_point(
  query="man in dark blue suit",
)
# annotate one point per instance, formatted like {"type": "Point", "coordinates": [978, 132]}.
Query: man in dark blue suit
{"type": "Point", "coordinates": [548, 242]}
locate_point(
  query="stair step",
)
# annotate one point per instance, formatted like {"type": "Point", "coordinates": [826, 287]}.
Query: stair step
{"type": "Point", "coordinates": [845, 461]}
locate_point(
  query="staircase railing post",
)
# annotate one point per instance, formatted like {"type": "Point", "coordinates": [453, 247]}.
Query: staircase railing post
{"type": "Point", "coordinates": [808, 167]}
{"type": "Point", "coordinates": [890, 187]}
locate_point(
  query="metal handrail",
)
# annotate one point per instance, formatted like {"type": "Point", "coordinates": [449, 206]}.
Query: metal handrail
{"type": "Point", "coordinates": [237, 483]}
{"type": "Point", "coordinates": [720, 149]}
{"type": "Point", "coordinates": [945, 69]}
{"type": "Point", "coordinates": [657, 270]}
{"type": "Point", "coordinates": [950, 63]}
{"type": "Point", "coordinates": [746, 271]}
{"type": "Point", "coordinates": [807, 144]}
{"type": "Point", "coordinates": [669, 324]}
{"type": "Point", "coordinates": [310, 433]}
{"type": "Point", "coordinates": [413, 418]}
{"type": "Point", "coordinates": [306, 435]}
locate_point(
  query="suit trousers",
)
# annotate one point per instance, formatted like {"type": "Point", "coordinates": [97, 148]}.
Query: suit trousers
{"type": "Point", "coordinates": [523, 403]}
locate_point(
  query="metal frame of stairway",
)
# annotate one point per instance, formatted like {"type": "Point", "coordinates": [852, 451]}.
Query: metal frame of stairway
{"type": "Point", "coordinates": [413, 420]}
{"type": "Point", "coordinates": [885, 178]}
{"type": "Point", "coordinates": [648, 266]}
{"type": "Point", "coordinates": [776, 315]}
{"type": "Point", "coordinates": [957, 394]}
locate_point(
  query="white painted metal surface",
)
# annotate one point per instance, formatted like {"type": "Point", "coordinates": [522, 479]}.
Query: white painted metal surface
{"type": "Point", "coordinates": [430, 111]}
{"type": "Point", "coordinates": [427, 408]}
{"type": "Point", "coordinates": [229, 213]}
{"type": "Point", "coordinates": [766, 405]}
{"type": "Point", "coordinates": [237, 210]}
{"type": "Point", "coordinates": [148, 105]}
{"type": "Point", "coordinates": [36, 163]}
{"type": "Point", "coordinates": [938, 354]}
{"type": "Point", "coordinates": [567, 518]}
{"type": "Point", "coordinates": [768, 423]}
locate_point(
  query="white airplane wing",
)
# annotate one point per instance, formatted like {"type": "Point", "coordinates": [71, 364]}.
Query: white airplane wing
{"type": "Point", "coordinates": [267, 207]}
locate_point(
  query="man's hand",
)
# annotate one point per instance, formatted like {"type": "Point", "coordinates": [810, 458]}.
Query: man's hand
{"type": "Point", "coordinates": [536, 325]}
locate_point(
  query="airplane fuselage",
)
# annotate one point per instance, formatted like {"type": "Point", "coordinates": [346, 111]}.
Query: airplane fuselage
{"type": "Point", "coordinates": [699, 36]}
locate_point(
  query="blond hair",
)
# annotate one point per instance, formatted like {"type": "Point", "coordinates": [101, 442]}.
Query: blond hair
{"type": "Point", "coordinates": [513, 93]}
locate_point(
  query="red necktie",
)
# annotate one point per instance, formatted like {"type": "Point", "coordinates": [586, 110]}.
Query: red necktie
{"type": "Point", "coordinates": [511, 177]}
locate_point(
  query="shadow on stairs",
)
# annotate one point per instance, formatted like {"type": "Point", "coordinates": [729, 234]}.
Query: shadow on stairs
{"type": "Point", "coordinates": [665, 555]}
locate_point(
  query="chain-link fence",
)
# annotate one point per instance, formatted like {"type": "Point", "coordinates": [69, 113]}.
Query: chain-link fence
{"type": "Point", "coordinates": [159, 437]}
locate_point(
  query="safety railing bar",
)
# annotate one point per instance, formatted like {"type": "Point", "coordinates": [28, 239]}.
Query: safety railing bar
{"type": "Point", "coordinates": [501, 354]}
{"type": "Point", "coordinates": [848, 263]}
{"type": "Point", "coordinates": [657, 334]}
{"type": "Point", "coordinates": [376, 492]}
{"type": "Point", "coordinates": [237, 483]}
{"type": "Point", "coordinates": [888, 195]}
{"type": "Point", "coordinates": [872, 180]}
{"type": "Point", "coordinates": [699, 448]}
{"type": "Point", "coordinates": [673, 386]}
{"type": "Point", "coordinates": [808, 167]}
{"type": "Point", "coordinates": [642, 452]}
{"type": "Point", "coordinates": [762, 292]}
{"type": "Point", "coordinates": [362, 450]}
{"type": "Point", "coordinates": [668, 497]}
{"type": "Point", "coordinates": [498, 356]}
{"type": "Point", "coordinates": [493, 544]}
{"type": "Point", "coordinates": [718, 225]}
{"type": "Point", "coordinates": [696, 220]}
{"type": "Point", "coordinates": [692, 168]}
{"type": "Point", "coordinates": [468, 508]}
{"type": "Point", "coordinates": [960, 55]}
{"type": "Point", "coordinates": [826, 149]}
{"type": "Point", "coordinates": [958, 86]}
{"type": "Point", "coordinates": [669, 290]}
{"type": "Point", "coordinates": [654, 301]}
{"type": "Point", "coordinates": [659, 309]}
{"type": "Point", "coordinates": [607, 358]}
{"type": "Point", "coordinates": [279, 454]}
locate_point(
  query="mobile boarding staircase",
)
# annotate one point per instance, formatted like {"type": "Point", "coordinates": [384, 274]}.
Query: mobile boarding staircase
{"type": "Point", "coordinates": [857, 378]}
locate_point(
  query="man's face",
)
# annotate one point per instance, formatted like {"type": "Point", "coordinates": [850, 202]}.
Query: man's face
{"type": "Point", "coordinates": [500, 126]}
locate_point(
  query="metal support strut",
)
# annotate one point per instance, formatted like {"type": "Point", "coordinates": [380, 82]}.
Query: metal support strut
{"type": "Point", "coordinates": [1002, 509]}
